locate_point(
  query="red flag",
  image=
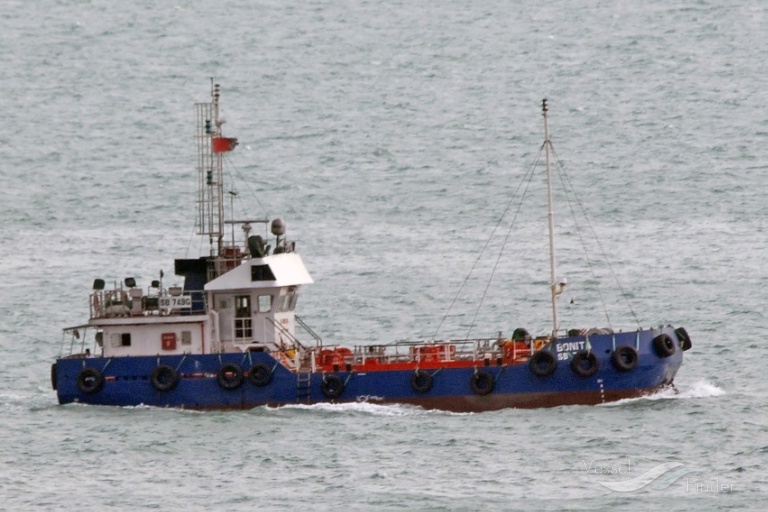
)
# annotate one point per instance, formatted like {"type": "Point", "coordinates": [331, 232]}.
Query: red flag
{"type": "Point", "coordinates": [223, 144]}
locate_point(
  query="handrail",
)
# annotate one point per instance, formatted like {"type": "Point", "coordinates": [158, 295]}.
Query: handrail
{"type": "Point", "coordinates": [466, 351]}
{"type": "Point", "coordinates": [119, 302]}
{"type": "Point", "coordinates": [309, 330]}
{"type": "Point", "coordinates": [287, 333]}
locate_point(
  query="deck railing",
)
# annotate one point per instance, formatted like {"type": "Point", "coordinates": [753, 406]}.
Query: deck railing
{"type": "Point", "coordinates": [120, 302]}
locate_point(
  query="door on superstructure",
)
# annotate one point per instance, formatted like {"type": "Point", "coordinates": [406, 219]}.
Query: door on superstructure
{"type": "Point", "coordinates": [243, 319]}
{"type": "Point", "coordinates": [226, 308]}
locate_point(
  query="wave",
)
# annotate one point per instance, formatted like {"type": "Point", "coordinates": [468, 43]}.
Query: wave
{"type": "Point", "coordinates": [366, 408]}
{"type": "Point", "coordinates": [699, 389]}
{"type": "Point", "coordinates": [25, 402]}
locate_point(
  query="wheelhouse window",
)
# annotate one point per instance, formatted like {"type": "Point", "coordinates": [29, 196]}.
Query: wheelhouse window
{"type": "Point", "coordinates": [262, 273]}
{"type": "Point", "coordinates": [265, 303]}
{"type": "Point", "coordinates": [288, 301]}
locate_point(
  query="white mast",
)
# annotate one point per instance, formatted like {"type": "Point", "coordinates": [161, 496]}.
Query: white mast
{"type": "Point", "coordinates": [210, 207]}
{"type": "Point", "coordinates": [555, 289]}
{"type": "Point", "coordinates": [218, 157]}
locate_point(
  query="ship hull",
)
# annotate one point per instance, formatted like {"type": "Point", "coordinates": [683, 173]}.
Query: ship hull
{"type": "Point", "coordinates": [128, 381]}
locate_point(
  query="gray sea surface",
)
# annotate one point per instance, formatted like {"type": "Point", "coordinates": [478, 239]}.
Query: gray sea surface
{"type": "Point", "coordinates": [391, 136]}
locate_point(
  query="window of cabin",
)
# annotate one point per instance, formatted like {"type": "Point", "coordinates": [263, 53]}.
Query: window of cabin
{"type": "Point", "coordinates": [186, 337]}
{"type": "Point", "coordinates": [288, 302]}
{"type": "Point", "coordinates": [120, 339]}
{"type": "Point", "coordinates": [284, 301]}
{"type": "Point", "coordinates": [265, 303]}
{"type": "Point", "coordinates": [262, 273]}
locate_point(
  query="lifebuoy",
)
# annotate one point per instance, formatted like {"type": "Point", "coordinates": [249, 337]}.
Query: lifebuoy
{"type": "Point", "coordinates": [332, 386]}
{"type": "Point", "coordinates": [685, 340]}
{"type": "Point", "coordinates": [90, 381]}
{"type": "Point", "coordinates": [421, 381]}
{"type": "Point", "coordinates": [230, 376]}
{"type": "Point", "coordinates": [260, 374]}
{"type": "Point", "coordinates": [663, 346]}
{"type": "Point", "coordinates": [543, 363]}
{"type": "Point", "coordinates": [482, 383]}
{"type": "Point", "coordinates": [585, 363]}
{"type": "Point", "coordinates": [164, 378]}
{"type": "Point", "coordinates": [625, 358]}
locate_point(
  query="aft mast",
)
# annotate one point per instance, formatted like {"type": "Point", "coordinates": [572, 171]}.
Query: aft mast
{"type": "Point", "coordinates": [555, 287]}
{"type": "Point", "coordinates": [211, 147]}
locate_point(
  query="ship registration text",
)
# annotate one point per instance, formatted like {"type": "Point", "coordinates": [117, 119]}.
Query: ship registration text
{"type": "Point", "coordinates": [566, 349]}
{"type": "Point", "coordinates": [182, 301]}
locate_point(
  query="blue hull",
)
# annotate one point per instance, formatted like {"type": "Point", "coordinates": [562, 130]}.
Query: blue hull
{"type": "Point", "coordinates": [127, 380]}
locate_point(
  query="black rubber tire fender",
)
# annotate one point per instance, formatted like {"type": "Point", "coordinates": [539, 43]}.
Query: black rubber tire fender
{"type": "Point", "coordinates": [663, 345]}
{"type": "Point", "coordinates": [542, 363]}
{"type": "Point", "coordinates": [421, 381]}
{"type": "Point", "coordinates": [260, 375]}
{"type": "Point", "coordinates": [164, 378]}
{"type": "Point", "coordinates": [482, 383]}
{"type": "Point", "coordinates": [332, 386]}
{"type": "Point", "coordinates": [625, 358]}
{"type": "Point", "coordinates": [585, 363]}
{"type": "Point", "coordinates": [90, 381]}
{"type": "Point", "coordinates": [229, 376]}
{"type": "Point", "coordinates": [685, 340]}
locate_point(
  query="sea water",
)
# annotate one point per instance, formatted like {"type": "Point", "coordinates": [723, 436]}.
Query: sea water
{"type": "Point", "coordinates": [391, 136]}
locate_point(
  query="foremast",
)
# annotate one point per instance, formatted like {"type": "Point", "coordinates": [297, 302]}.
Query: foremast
{"type": "Point", "coordinates": [555, 287]}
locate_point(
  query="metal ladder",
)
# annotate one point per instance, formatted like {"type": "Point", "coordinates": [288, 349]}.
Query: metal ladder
{"type": "Point", "coordinates": [303, 384]}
